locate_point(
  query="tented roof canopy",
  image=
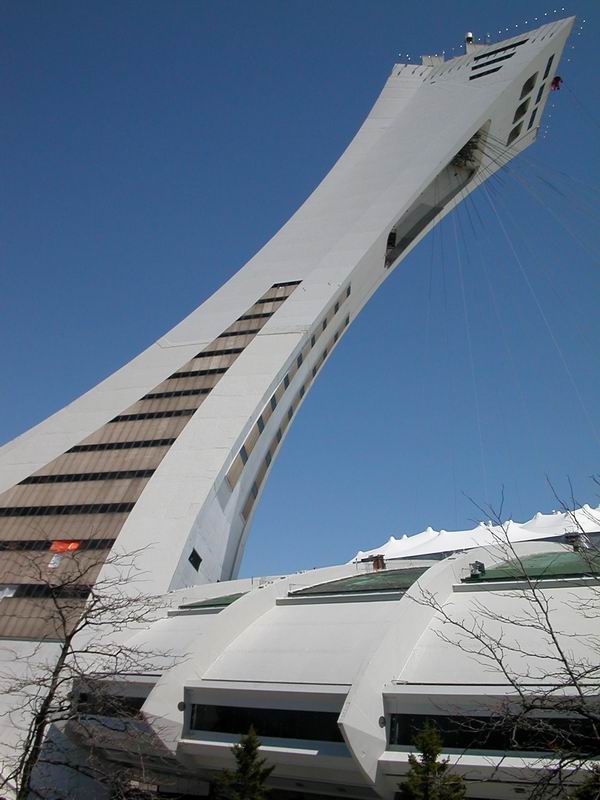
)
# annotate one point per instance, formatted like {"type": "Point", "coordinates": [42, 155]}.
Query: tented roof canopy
{"type": "Point", "coordinates": [585, 520]}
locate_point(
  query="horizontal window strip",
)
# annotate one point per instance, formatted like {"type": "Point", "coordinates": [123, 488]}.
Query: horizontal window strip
{"type": "Point", "coordinates": [265, 315]}
{"type": "Point", "coordinates": [75, 477]}
{"type": "Point", "coordinates": [193, 373]}
{"type": "Point", "coordinates": [485, 64]}
{"type": "Point", "coordinates": [482, 74]}
{"type": "Point", "coordinates": [285, 283]}
{"type": "Point", "coordinates": [53, 511]}
{"type": "Point", "coordinates": [179, 412]}
{"type": "Point", "coordinates": [270, 300]}
{"type": "Point", "coordinates": [47, 544]}
{"type": "Point", "coordinates": [248, 332]}
{"type": "Point", "coordinates": [91, 448]}
{"type": "Point", "coordinates": [500, 50]}
{"type": "Point", "coordinates": [226, 351]}
{"type": "Point", "coordinates": [280, 723]}
{"type": "Point", "coordinates": [175, 393]}
{"type": "Point", "coordinates": [42, 590]}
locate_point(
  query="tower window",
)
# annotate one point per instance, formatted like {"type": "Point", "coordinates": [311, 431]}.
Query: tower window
{"type": "Point", "coordinates": [521, 110]}
{"type": "Point", "coordinates": [514, 134]}
{"type": "Point", "coordinates": [540, 93]}
{"type": "Point", "coordinates": [528, 85]}
{"type": "Point", "coordinates": [548, 65]}
{"type": "Point", "coordinates": [532, 119]}
{"type": "Point", "coordinates": [195, 559]}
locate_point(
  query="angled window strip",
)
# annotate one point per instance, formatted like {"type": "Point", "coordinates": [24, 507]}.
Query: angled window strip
{"type": "Point", "coordinates": [483, 74]}
{"type": "Point", "coordinates": [235, 470]}
{"type": "Point", "coordinates": [228, 345]}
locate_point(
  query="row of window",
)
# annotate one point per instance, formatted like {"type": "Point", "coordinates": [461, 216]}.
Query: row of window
{"type": "Point", "coordinates": [263, 315]}
{"type": "Point", "coordinates": [500, 50]}
{"type": "Point", "coordinates": [238, 463]}
{"type": "Point", "coordinates": [492, 61]}
{"type": "Point", "coordinates": [108, 705]}
{"type": "Point", "coordinates": [522, 109]}
{"type": "Point", "coordinates": [227, 351]}
{"type": "Point", "coordinates": [501, 733]}
{"type": "Point", "coordinates": [219, 347]}
{"type": "Point", "coordinates": [161, 414]}
{"type": "Point", "coordinates": [221, 351]}
{"type": "Point", "coordinates": [91, 448]}
{"type": "Point", "coordinates": [42, 590]}
{"type": "Point", "coordinates": [67, 510]}
{"type": "Point", "coordinates": [483, 74]}
{"type": "Point", "coordinates": [287, 417]}
{"type": "Point", "coordinates": [249, 332]}
{"type": "Point", "coordinates": [264, 300]}
{"type": "Point", "coordinates": [179, 412]}
{"type": "Point", "coordinates": [501, 54]}
{"type": "Point", "coordinates": [278, 723]}
{"type": "Point", "coordinates": [54, 545]}
{"type": "Point", "coordinates": [175, 393]}
{"type": "Point", "coordinates": [194, 558]}
{"type": "Point", "coordinates": [76, 477]}
{"type": "Point", "coordinates": [194, 373]}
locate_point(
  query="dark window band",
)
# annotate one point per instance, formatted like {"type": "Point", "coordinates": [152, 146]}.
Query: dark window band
{"type": "Point", "coordinates": [500, 49]}
{"type": "Point", "coordinates": [75, 477]}
{"type": "Point", "coordinates": [193, 373]}
{"type": "Point", "coordinates": [265, 315]}
{"type": "Point", "coordinates": [249, 332]}
{"type": "Point", "coordinates": [492, 61]}
{"type": "Point", "coordinates": [52, 511]}
{"type": "Point", "coordinates": [285, 283]}
{"type": "Point", "coordinates": [175, 393]}
{"type": "Point", "coordinates": [227, 351]}
{"type": "Point", "coordinates": [276, 722]}
{"type": "Point", "coordinates": [180, 412]}
{"type": "Point", "coordinates": [46, 544]}
{"type": "Point", "coordinates": [42, 590]}
{"type": "Point", "coordinates": [482, 74]}
{"type": "Point", "coordinates": [91, 448]}
{"type": "Point", "coordinates": [270, 300]}
{"type": "Point", "coordinates": [524, 733]}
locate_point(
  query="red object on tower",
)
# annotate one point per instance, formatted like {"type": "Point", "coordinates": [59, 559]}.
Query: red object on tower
{"type": "Point", "coordinates": [64, 546]}
{"type": "Point", "coordinates": [556, 82]}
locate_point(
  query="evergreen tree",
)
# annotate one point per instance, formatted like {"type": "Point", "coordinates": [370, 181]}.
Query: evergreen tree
{"type": "Point", "coordinates": [248, 780]}
{"type": "Point", "coordinates": [428, 777]}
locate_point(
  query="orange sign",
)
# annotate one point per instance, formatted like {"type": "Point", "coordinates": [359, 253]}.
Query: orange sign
{"type": "Point", "coordinates": [64, 545]}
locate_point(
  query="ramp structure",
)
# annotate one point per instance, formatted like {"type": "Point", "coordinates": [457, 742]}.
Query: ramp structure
{"type": "Point", "coordinates": [169, 455]}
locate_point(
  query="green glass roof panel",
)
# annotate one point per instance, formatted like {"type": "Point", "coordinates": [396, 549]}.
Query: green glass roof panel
{"type": "Point", "coordinates": [215, 602]}
{"type": "Point", "coordinates": [543, 565]}
{"type": "Point", "coordinates": [385, 580]}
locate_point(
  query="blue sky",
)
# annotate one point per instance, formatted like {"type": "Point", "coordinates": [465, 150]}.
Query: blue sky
{"type": "Point", "coordinates": [149, 149]}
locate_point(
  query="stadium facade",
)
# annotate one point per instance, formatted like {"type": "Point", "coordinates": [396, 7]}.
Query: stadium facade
{"type": "Point", "coordinates": [168, 456]}
{"type": "Point", "coordinates": [336, 668]}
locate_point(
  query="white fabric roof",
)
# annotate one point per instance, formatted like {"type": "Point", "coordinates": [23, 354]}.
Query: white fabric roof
{"type": "Point", "coordinates": [541, 526]}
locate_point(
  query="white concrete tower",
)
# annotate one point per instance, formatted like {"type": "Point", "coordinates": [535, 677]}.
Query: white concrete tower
{"type": "Point", "coordinates": [170, 453]}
